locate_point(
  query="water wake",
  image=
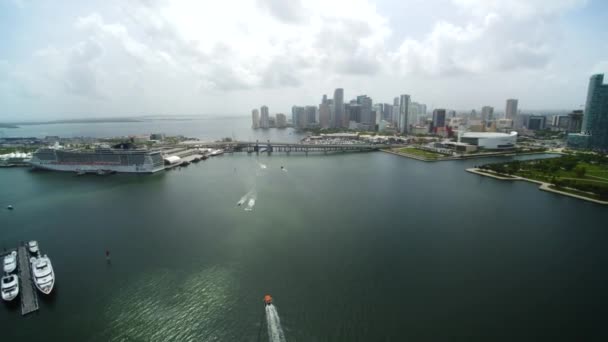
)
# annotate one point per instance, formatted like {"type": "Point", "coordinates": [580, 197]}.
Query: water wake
{"type": "Point", "coordinates": [275, 332]}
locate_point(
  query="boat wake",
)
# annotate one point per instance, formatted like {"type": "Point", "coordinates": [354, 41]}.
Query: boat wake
{"type": "Point", "coordinates": [275, 332]}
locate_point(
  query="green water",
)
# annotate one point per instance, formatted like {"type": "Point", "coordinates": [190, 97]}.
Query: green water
{"type": "Point", "coordinates": [353, 247]}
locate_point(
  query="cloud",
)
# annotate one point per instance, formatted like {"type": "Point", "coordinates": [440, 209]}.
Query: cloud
{"type": "Point", "coordinates": [499, 36]}
{"type": "Point", "coordinates": [287, 11]}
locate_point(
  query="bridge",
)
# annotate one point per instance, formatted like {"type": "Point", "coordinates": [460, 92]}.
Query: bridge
{"type": "Point", "coordinates": [268, 146]}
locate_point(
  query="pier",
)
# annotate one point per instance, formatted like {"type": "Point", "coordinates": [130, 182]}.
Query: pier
{"type": "Point", "coordinates": [27, 292]}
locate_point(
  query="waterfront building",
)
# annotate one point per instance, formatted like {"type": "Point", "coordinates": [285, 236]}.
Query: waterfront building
{"type": "Point", "coordinates": [310, 114]}
{"type": "Point", "coordinates": [264, 118]}
{"type": "Point", "coordinates": [281, 120]}
{"type": "Point", "coordinates": [339, 117]}
{"type": "Point", "coordinates": [255, 119]}
{"type": "Point", "coordinates": [404, 108]}
{"type": "Point", "coordinates": [324, 115]}
{"type": "Point", "coordinates": [536, 122]}
{"type": "Point", "coordinates": [367, 119]}
{"type": "Point", "coordinates": [511, 109]}
{"type": "Point", "coordinates": [504, 124]}
{"type": "Point", "coordinates": [560, 122]}
{"type": "Point", "coordinates": [594, 130]}
{"type": "Point", "coordinates": [438, 120]}
{"type": "Point", "coordinates": [298, 118]}
{"type": "Point", "coordinates": [490, 141]}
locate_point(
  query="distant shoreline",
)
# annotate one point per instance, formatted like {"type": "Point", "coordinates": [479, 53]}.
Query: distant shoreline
{"type": "Point", "coordinates": [2, 125]}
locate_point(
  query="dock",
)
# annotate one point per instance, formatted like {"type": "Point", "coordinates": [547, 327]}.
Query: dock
{"type": "Point", "coordinates": [27, 292]}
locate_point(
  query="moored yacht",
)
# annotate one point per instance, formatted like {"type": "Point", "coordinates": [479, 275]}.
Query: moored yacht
{"type": "Point", "coordinates": [217, 152]}
{"type": "Point", "coordinates": [10, 262]}
{"type": "Point", "coordinates": [33, 246]}
{"type": "Point", "coordinates": [43, 274]}
{"type": "Point", "coordinates": [9, 287]}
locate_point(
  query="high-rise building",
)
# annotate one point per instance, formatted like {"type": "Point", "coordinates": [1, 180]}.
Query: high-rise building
{"type": "Point", "coordinates": [255, 119]}
{"type": "Point", "coordinates": [395, 119]}
{"type": "Point", "coordinates": [310, 113]}
{"type": "Point", "coordinates": [536, 122]}
{"type": "Point", "coordinates": [367, 118]}
{"type": "Point", "coordinates": [487, 113]}
{"type": "Point", "coordinates": [438, 119]}
{"type": "Point", "coordinates": [404, 108]}
{"type": "Point", "coordinates": [324, 99]}
{"type": "Point", "coordinates": [339, 116]}
{"type": "Point", "coordinates": [387, 113]}
{"type": "Point", "coordinates": [264, 120]}
{"type": "Point", "coordinates": [281, 120]}
{"type": "Point", "coordinates": [324, 115]}
{"type": "Point", "coordinates": [298, 118]}
{"type": "Point", "coordinates": [511, 109]}
{"type": "Point", "coordinates": [594, 130]}
{"type": "Point", "coordinates": [576, 121]}
{"type": "Point", "coordinates": [352, 112]}
{"type": "Point", "coordinates": [560, 122]}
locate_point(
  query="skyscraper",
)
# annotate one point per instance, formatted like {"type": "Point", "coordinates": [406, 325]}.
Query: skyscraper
{"type": "Point", "coordinates": [511, 109]}
{"type": "Point", "coordinates": [310, 114]}
{"type": "Point", "coordinates": [264, 120]}
{"type": "Point", "coordinates": [395, 119]}
{"type": "Point", "coordinates": [366, 111]}
{"type": "Point", "coordinates": [404, 108]}
{"type": "Point", "coordinates": [487, 113]}
{"type": "Point", "coordinates": [438, 119]}
{"type": "Point", "coordinates": [594, 131]}
{"type": "Point", "coordinates": [339, 116]}
{"type": "Point", "coordinates": [281, 120]}
{"type": "Point", "coordinates": [576, 121]}
{"type": "Point", "coordinates": [255, 119]}
{"type": "Point", "coordinates": [297, 117]}
{"type": "Point", "coordinates": [324, 115]}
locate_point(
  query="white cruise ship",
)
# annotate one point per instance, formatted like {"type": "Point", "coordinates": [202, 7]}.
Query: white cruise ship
{"type": "Point", "coordinates": [99, 160]}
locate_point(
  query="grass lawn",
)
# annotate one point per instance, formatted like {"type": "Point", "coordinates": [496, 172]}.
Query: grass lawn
{"type": "Point", "coordinates": [420, 153]}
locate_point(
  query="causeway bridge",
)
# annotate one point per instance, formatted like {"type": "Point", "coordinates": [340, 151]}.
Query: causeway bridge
{"type": "Point", "coordinates": [287, 147]}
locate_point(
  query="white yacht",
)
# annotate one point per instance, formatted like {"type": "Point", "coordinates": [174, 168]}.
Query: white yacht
{"type": "Point", "coordinates": [10, 262]}
{"type": "Point", "coordinates": [250, 204]}
{"type": "Point", "coordinates": [43, 274]}
{"type": "Point", "coordinates": [217, 152]}
{"type": "Point", "coordinates": [10, 287]}
{"type": "Point", "coordinates": [33, 246]}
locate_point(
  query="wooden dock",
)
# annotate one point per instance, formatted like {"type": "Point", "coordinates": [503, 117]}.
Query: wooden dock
{"type": "Point", "coordinates": [27, 292]}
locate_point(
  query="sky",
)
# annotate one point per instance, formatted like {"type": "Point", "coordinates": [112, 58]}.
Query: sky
{"type": "Point", "coordinates": [104, 58]}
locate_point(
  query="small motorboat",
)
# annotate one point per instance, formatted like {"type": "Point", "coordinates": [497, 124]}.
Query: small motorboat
{"type": "Point", "coordinates": [10, 262]}
{"type": "Point", "coordinates": [250, 204]}
{"type": "Point", "coordinates": [33, 246]}
{"type": "Point", "coordinates": [240, 202]}
{"type": "Point", "coordinates": [217, 152]}
{"type": "Point", "coordinates": [9, 287]}
{"type": "Point", "coordinates": [9, 207]}
{"type": "Point", "coordinates": [267, 300]}
{"type": "Point", "coordinates": [42, 271]}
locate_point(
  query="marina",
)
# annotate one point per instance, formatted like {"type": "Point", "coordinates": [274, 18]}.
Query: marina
{"type": "Point", "coordinates": [28, 295]}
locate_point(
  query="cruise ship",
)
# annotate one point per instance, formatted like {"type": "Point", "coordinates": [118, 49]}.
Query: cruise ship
{"type": "Point", "coordinates": [99, 160]}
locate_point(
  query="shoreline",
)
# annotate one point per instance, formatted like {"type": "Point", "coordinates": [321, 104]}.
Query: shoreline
{"type": "Point", "coordinates": [465, 157]}
{"type": "Point", "coordinates": [544, 186]}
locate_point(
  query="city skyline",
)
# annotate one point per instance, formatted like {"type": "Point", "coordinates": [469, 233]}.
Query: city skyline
{"type": "Point", "coordinates": [103, 59]}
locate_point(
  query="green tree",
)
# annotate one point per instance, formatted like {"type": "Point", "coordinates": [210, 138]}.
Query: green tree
{"type": "Point", "coordinates": [580, 171]}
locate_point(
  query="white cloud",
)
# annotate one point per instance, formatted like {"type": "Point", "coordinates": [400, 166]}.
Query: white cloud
{"type": "Point", "coordinates": [499, 36]}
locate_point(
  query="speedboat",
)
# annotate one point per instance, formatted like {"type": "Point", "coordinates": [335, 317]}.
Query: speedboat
{"type": "Point", "coordinates": [10, 287]}
{"type": "Point", "coordinates": [267, 300]}
{"type": "Point", "coordinates": [42, 270]}
{"type": "Point", "coordinates": [217, 152]}
{"type": "Point", "coordinates": [250, 204]}
{"type": "Point", "coordinates": [33, 246]}
{"type": "Point", "coordinates": [10, 262]}
{"type": "Point", "coordinates": [9, 207]}
{"type": "Point", "coordinates": [240, 202]}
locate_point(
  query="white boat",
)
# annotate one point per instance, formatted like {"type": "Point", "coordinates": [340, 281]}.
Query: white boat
{"type": "Point", "coordinates": [250, 204]}
{"type": "Point", "coordinates": [217, 152]}
{"type": "Point", "coordinates": [10, 287]}
{"type": "Point", "coordinates": [33, 246]}
{"type": "Point", "coordinates": [43, 274]}
{"type": "Point", "coordinates": [10, 262]}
